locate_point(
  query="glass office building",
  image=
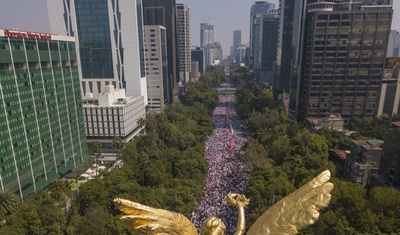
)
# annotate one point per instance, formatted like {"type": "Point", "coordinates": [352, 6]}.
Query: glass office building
{"type": "Point", "coordinates": [42, 133]}
{"type": "Point", "coordinates": [110, 39]}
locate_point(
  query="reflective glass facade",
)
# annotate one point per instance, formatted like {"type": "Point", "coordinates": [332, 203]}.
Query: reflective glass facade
{"type": "Point", "coordinates": [94, 38]}
{"type": "Point", "coordinates": [42, 134]}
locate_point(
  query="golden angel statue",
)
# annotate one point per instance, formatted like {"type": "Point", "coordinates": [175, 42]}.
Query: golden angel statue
{"type": "Point", "coordinates": [298, 210]}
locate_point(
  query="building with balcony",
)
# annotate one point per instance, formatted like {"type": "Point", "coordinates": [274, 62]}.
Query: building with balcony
{"type": "Point", "coordinates": [363, 161]}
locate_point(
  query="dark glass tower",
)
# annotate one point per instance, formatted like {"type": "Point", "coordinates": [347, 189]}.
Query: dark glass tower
{"type": "Point", "coordinates": [259, 7]}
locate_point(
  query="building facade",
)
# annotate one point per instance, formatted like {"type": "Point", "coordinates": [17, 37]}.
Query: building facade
{"type": "Point", "coordinates": [109, 42]}
{"type": "Point", "coordinates": [111, 114]}
{"type": "Point", "coordinates": [363, 160]}
{"type": "Point", "coordinates": [292, 20]}
{"type": "Point", "coordinates": [194, 74]}
{"type": "Point", "coordinates": [184, 55]}
{"type": "Point", "coordinates": [206, 34]}
{"type": "Point", "coordinates": [344, 60]}
{"type": "Point", "coordinates": [198, 55]}
{"type": "Point", "coordinates": [42, 134]}
{"type": "Point", "coordinates": [389, 170]}
{"type": "Point", "coordinates": [393, 44]}
{"type": "Point", "coordinates": [163, 12]}
{"type": "Point", "coordinates": [158, 90]}
{"type": "Point", "coordinates": [237, 40]}
{"type": "Point", "coordinates": [389, 100]}
{"type": "Point", "coordinates": [269, 37]}
{"type": "Point", "coordinates": [257, 8]}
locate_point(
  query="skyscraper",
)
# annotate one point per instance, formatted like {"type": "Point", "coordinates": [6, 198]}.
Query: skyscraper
{"type": "Point", "coordinates": [42, 133]}
{"type": "Point", "coordinates": [268, 48]}
{"type": "Point", "coordinates": [259, 7]}
{"type": "Point", "coordinates": [344, 59]}
{"type": "Point", "coordinates": [292, 18]}
{"type": "Point", "coordinates": [158, 89]}
{"type": "Point", "coordinates": [110, 39]}
{"type": "Point", "coordinates": [237, 40]}
{"type": "Point", "coordinates": [163, 12]}
{"type": "Point", "coordinates": [183, 22]}
{"type": "Point", "coordinates": [206, 34]}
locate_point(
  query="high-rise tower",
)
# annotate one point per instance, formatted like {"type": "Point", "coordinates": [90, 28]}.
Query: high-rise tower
{"type": "Point", "coordinates": [344, 59]}
{"type": "Point", "coordinates": [237, 40]}
{"type": "Point", "coordinates": [184, 53]}
{"type": "Point", "coordinates": [259, 7]}
{"type": "Point", "coordinates": [206, 34]}
{"type": "Point", "coordinates": [110, 39]}
{"type": "Point", "coordinates": [163, 12]}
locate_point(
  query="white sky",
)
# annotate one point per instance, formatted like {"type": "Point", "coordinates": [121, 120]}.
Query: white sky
{"type": "Point", "coordinates": [225, 15]}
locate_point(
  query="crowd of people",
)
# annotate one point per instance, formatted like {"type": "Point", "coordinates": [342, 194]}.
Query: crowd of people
{"type": "Point", "coordinates": [226, 173]}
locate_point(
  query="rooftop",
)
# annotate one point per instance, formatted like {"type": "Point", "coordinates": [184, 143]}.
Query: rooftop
{"type": "Point", "coordinates": [342, 154]}
{"type": "Point", "coordinates": [370, 144]}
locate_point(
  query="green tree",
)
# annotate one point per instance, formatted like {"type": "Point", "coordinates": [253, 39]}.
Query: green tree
{"type": "Point", "coordinates": [144, 161]}
{"type": "Point", "coordinates": [9, 202]}
{"type": "Point", "coordinates": [117, 144]}
{"type": "Point", "coordinates": [96, 147]}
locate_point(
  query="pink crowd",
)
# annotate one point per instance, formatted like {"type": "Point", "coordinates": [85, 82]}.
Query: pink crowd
{"type": "Point", "coordinates": [226, 171]}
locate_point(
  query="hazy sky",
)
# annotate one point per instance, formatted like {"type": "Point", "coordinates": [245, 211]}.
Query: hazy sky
{"type": "Point", "coordinates": [225, 15]}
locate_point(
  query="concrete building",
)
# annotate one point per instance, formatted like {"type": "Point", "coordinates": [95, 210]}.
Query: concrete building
{"type": "Point", "coordinates": [158, 90]}
{"type": "Point", "coordinates": [257, 8]}
{"type": "Point", "coordinates": [389, 101]}
{"type": "Point", "coordinates": [42, 134]}
{"type": "Point", "coordinates": [338, 157]}
{"type": "Point", "coordinates": [194, 74]}
{"type": "Point", "coordinates": [163, 12]}
{"type": "Point", "coordinates": [344, 59]}
{"type": "Point", "coordinates": [389, 170]}
{"type": "Point", "coordinates": [331, 121]}
{"type": "Point", "coordinates": [206, 34]}
{"type": "Point", "coordinates": [363, 160]}
{"type": "Point", "coordinates": [111, 114]}
{"type": "Point", "coordinates": [108, 39]}
{"type": "Point", "coordinates": [183, 22]}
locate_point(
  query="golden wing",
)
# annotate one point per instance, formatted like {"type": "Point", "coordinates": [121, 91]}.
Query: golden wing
{"type": "Point", "coordinates": [298, 210]}
{"type": "Point", "coordinates": [151, 221]}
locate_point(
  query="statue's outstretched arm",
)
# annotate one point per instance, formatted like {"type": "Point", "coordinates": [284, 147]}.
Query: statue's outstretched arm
{"type": "Point", "coordinates": [240, 202]}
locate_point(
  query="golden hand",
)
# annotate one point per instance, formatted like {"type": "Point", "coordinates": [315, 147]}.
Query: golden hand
{"type": "Point", "coordinates": [240, 202]}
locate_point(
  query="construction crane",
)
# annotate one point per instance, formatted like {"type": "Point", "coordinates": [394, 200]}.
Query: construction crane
{"type": "Point", "coordinates": [206, 19]}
